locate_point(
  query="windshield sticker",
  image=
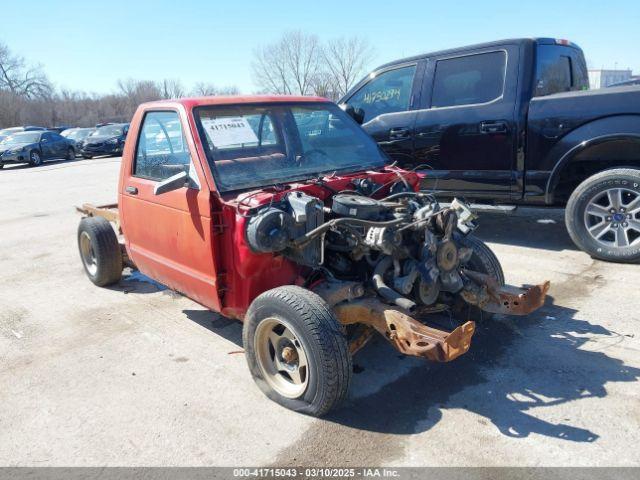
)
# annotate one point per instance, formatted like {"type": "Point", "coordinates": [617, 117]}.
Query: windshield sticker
{"type": "Point", "coordinates": [228, 131]}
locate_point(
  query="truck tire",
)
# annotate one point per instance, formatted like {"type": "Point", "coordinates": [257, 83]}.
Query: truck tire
{"type": "Point", "coordinates": [482, 260]}
{"type": "Point", "coordinates": [99, 251]}
{"type": "Point", "coordinates": [297, 350]}
{"type": "Point", "coordinates": [603, 215]}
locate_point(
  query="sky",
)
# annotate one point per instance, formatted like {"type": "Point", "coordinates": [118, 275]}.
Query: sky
{"type": "Point", "coordinates": [88, 45]}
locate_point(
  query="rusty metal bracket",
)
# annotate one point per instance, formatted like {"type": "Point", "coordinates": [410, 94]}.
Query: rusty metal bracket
{"type": "Point", "coordinates": [406, 334]}
{"type": "Point", "coordinates": [488, 295]}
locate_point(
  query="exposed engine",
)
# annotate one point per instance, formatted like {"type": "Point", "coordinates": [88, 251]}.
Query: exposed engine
{"type": "Point", "coordinates": [406, 247]}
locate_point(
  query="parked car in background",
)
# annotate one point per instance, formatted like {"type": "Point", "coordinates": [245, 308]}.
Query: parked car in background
{"type": "Point", "coordinates": [60, 128]}
{"type": "Point", "coordinates": [11, 130]}
{"type": "Point", "coordinates": [106, 140]}
{"type": "Point", "coordinates": [508, 122]}
{"type": "Point", "coordinates": [34, 147]}
{"type": "Point", "coordinates": [78, 135]}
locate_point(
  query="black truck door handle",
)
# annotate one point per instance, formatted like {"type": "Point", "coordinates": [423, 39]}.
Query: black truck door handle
{"type": "Point", "coordinates": [493, 127]}
{"type": "Point", "coordinates": [132, 190]}
{"type": "Point", "coordinates": [400, 133]}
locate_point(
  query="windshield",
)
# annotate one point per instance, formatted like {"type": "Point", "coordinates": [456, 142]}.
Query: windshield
{"type": "Point", "coordinates": [259, 145]}
{"type": "Point", "coordinates": [108, 131]}
{"type": "Point", "coordinates": [77, 134]}
{"type": "Point", "coordinates": [18, 138]}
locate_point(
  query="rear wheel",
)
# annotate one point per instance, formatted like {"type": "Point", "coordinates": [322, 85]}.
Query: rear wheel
{"type": "Point", "coordinates": [99, 251]}
{"type": "Point", "coordinates": [71, 154]}
{"type": "Point", "coordinates": [35, 158]}
{"type": "Point", "coordinates": [297, 350]}
{"type": "Point", "coordinates": [603, 215]}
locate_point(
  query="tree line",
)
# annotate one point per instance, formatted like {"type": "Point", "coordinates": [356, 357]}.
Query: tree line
{"type": "Point", "coordinates": [297, 63]}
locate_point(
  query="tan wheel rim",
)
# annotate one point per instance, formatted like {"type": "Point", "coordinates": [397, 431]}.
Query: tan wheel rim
{"type": "Point", "coordinates": [88, 254]}
{"type": "Point", "coordinates": [281, 357]}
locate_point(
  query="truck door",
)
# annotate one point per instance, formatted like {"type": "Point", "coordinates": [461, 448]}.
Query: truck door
{"type": "Point", "coordinates": [386, 100]}
{"type": "Point", "coordinates": [169, 235]}
{"type": "Point", "coordinates": [466, 130]}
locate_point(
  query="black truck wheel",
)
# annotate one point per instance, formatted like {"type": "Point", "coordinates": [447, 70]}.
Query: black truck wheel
{"type": "Point", "coordinates": [99, 251]}
{"type": "Point", "coordinates": [297, 350]}
{"type": "Point", "coordinates": [603, 215]}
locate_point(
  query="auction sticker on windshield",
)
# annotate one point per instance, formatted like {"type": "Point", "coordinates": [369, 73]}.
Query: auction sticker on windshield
{"type": "Point", "coordinates": [228, 131]}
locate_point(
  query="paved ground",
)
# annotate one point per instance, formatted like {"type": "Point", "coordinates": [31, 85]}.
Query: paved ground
{"type": "Point", "coordinates": [137, 375]}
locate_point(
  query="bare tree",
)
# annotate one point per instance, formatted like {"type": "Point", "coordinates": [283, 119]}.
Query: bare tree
{"type": "Point", "coordinates": [19, 78]}
{"type": "Point", "coordinates": [171, 88]}
{"type": "Point", "coordinates": [346, 60]}
{"type": "Point", "coordinates": [202, 89]}
{"type": "Point", "coordinates": [289, 66]}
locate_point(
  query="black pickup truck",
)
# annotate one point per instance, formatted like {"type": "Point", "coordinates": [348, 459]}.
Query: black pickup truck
{"type": "Point", "coordinates": [512, 122]}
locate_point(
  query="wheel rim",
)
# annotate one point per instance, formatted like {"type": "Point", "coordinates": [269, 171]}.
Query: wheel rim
{"type": "Point", "coordinates": [281, 357]}
{"type": "Point", "coordinates": [611, 218]}
{"type": "Point", "coordinates": [88, 254]}
{"type": "Point", "coordinates": [35, 158]}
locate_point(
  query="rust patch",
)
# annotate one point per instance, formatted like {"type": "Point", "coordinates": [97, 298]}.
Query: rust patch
{"type": "Point", "coordinates": [405, 333]}
{"type": "Point", "coordinates": [492, 297]}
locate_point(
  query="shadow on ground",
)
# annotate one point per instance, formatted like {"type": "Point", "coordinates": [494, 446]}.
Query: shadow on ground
{"type": "Point", "coordinates": [514, 366]}
{"type": "Point", "coordinates": [534, 228]}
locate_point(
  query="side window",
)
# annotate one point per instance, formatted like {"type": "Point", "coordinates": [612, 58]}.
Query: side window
{"type": "Point", "coordinates": [469, 80]}
{"type": "Point", "coordinates": [553, 70]}
{"type": "Point", "coordinates": [580, 73]}
{"type": "Point", "coordinates": [388, 92]}
{"type": "Point", "coordinates": [161, 151]}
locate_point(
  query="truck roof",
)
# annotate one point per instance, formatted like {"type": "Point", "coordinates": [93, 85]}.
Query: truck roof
{"type": "Point", "coordinates": [232, 100]}
{"type": "Point", "coordinates": [496, 43]}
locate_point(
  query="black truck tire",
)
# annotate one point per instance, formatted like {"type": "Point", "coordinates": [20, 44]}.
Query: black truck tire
{"type": "Point", "coordinates": [99, 251]}
{"type": "Point", "coordinates": [297, 351]}
{"type": "Point", "coordinates": [603, 215]}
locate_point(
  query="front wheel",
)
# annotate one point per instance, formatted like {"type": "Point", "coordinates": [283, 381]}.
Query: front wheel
{"type": "Point", "coordinates": [87, 157]}
{"type": "Point", "coordinates": [603, 215]}
{"type": "Point", "coordinates": [35, 158]}
{"type": "Point", "coordinates": [71, 154]}
{"type": "Point", "coordinates": [297, 350]}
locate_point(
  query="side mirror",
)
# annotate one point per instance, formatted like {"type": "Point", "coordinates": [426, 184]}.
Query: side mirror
{"type": "Point", "coordinates": [43, 140]}
{"type": "Point", "coordinates": [174, 182]}
{"type": "Point", "coordinates": [356, 113]}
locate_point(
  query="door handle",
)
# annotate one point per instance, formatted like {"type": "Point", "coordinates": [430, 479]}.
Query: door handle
{"type": "Point", "coordinates": [131, 190]}
{"type": "Point", "coordinates": [493, 127]}
{"type": "Point", "coordinates": [399, 133]}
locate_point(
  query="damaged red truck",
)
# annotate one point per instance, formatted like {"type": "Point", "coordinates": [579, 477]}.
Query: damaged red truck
{"type": "Point", "coordinates": [283, 213]}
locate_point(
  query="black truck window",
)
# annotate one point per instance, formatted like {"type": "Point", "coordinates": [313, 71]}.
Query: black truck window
{"type": "Point", "coordinates": [557, 71]}
{"type": "Point", "coordinates": [469, 80]}
{"type": "Point", "coordinates": [388, 92]}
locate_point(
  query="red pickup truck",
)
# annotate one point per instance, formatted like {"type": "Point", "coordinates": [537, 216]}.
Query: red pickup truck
{"type": "Point", "coordinates": [283, 213]}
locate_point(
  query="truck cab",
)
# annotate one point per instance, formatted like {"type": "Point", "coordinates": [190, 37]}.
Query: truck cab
{"type": "Point", "coordinates": [506, 122]}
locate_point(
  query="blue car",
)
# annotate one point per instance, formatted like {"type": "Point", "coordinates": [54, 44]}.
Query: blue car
{"type": "Point", "coordinates": [34, 147]}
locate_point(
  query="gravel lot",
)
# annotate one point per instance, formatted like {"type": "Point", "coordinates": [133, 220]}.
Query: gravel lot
{"type": "Point", "coordinates": [138, 375]}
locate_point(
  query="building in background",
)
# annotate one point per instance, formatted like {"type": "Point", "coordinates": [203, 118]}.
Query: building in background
{"type": "Point", "coordinates": [604, 78]}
